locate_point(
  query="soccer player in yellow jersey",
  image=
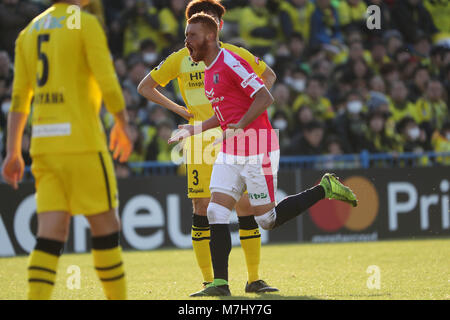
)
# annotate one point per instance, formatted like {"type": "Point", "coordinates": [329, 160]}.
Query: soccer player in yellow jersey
{"type": "Point", "coordinates": [200, 154]}
{"type": "Point", "coordinates": [62, 60]}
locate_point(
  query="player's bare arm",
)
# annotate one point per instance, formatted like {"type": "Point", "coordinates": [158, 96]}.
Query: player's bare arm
{"type": "Point", "coordinates": [147, 88]}
{"type": "Point", "coordinates": [263, 99]}
{"type": "Point", "coordinates": [14, 166]}
{"type": "Point", "coordinates": [268, 77]}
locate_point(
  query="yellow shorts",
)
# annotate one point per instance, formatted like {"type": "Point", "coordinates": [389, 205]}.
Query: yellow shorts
{"type": "Point", "coordinates": [200, 157]}
{"type": "Point", "coordinates": [82, 183]}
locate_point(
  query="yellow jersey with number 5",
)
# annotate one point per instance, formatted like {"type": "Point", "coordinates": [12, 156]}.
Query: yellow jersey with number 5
{"type": "Point", "coordinates": [63, 68]}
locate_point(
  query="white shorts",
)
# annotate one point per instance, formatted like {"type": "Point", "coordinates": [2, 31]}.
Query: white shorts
{"type": "Point", "coordinates": [232, 175]}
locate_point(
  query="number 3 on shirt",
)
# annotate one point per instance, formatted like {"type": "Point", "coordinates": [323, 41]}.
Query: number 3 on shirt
{"type": "Point", "coordinates": [218, 114]}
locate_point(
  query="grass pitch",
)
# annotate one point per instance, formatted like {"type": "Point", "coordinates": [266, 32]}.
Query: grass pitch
{"type": "Point", "coordinates": [415, 269]}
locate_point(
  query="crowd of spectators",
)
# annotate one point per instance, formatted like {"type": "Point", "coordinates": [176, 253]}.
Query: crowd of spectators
{"type": "Point", "coordinates": [342, 86]}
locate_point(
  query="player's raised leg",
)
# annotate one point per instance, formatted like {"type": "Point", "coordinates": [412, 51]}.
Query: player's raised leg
{"type": "Point", "coordinates": [53, 229]}
{"type": "Point", "coordinates": [271, 216]}
{"type": "Point", "coordinates": [250, 238]}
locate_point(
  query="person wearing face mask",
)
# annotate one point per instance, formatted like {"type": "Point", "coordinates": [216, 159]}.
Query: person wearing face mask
{"type": "Point", "coordinates": [149, 53]}
{"type": "Point", "coordinates": [414, 138]}
{"type": "Point", "coordinates": [280, 122]}
{"type": "Point", "coordinates": [296, 79]}
{"type": "Point", "coordinates": [350, 124]}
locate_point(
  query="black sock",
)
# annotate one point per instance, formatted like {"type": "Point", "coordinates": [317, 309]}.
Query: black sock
{"type": "Point", "coordinates": [247, 223]}
{"type": "Point", "coordinates": [220, 246]}
{"type": "Point", "coordinates": [294, 205]}
{"type": "Point", "coordinates": [106, 242]}
{"type": "Point", "coordinates": [50, 246]}
{"type": "Point", "coordinates": [200, 221]}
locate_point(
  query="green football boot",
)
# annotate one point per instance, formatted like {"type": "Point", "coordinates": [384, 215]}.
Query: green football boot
{"type": "Point", "coordinates": [334, 189]}
{"type": "Point", "coordinates": [217, 288]}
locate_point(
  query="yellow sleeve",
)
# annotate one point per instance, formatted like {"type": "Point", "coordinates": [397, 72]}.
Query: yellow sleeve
{"type": "Point", "coordinates": [257, 64]}
{"type": "Point", "coordinates": [168, 69]}
{"type": "Point", "coordinates": [100, 62]}
{"type": "Point", "coordinates": [22, 90]}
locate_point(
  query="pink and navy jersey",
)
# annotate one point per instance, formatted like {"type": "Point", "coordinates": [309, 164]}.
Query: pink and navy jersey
{"type": "Point", "coordinates": [230, 84]}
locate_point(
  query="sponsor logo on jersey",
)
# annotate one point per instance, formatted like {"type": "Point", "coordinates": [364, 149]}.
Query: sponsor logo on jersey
{"type": "Point", "coordinates": [245, 83]}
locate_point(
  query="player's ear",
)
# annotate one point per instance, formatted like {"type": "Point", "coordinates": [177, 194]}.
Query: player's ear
{"type": "Point", "coordinates": [211, 36]}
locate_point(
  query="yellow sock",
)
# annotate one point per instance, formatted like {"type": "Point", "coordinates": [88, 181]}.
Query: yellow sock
{"type": "Point", "coordinates": [42, 268]}
{"type": "Point", "coordinates": [200, 243]}
{"type": "Point", "coordinates": [251, 244]}
{"type": "Point", "coordinates": [109, 266]}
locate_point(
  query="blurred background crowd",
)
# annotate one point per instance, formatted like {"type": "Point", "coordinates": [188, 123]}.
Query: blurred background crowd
{"type": "Point", "coordinates": [342, 86]}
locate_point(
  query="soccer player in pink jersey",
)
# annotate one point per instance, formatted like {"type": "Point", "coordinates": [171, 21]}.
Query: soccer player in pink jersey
{"type": "Point", "coordinates": [250, 152]}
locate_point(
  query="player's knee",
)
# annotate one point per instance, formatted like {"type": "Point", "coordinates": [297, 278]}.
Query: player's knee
{"type": "Point", "coordinates": [267, 220]}
{"type": "Point", "coordinates": [218, 214]}
{"type": "Point", "coordinates": [200, 206]}
{"type": "Point", "coordinates": [243, 207]}
{"type": "Point", "coordinates": [53, 226]}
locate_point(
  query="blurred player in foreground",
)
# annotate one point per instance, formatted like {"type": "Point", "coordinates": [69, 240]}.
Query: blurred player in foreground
{"type": "Point", "coordinates": [190, 75]}
{"type": "Point", "coordinates": [250, 151]}
{"type": "Point", "coordinates": [62, 60]}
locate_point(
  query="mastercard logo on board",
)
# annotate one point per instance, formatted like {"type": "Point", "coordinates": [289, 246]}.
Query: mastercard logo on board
{"type": "Point", "coordinates": [332, 215]}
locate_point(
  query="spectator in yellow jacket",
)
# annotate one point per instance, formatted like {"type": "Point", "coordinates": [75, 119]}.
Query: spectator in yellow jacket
{"type": "Point", "coordinates": [257, 27]}
{"type": "Point", "coordinates": [352, 13]}
{"type": "Point", "coordinates": [294, 16]}
{"type": "Point", "coordinates": [431, 109]}
{"type": "Point", "coordinates": [399, 105]}
{"type": "Point", "coordinates": [315, 99]}
{"type": "Point", "coordinates": [441, 142]}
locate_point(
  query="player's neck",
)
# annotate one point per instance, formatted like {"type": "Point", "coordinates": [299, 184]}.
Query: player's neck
{"type": "Point", "coordinates": [212, 55]}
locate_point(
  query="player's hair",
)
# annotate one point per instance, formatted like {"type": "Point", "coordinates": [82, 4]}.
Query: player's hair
{"type": "Point", "coordinates": [206, 20]}
{"type": "Point", "coordinates": [197, 6]}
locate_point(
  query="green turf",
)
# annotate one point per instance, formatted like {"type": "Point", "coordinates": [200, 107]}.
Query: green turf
{"type": "Point", "coordinates": [416, 269]}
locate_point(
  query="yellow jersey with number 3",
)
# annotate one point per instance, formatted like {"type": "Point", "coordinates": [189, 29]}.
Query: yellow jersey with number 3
{"type": "Point", "coordinates": [62, 61]}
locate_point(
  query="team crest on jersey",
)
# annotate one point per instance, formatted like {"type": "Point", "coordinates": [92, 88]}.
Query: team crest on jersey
{"type": "Point", "coordinates": [216, 78]}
